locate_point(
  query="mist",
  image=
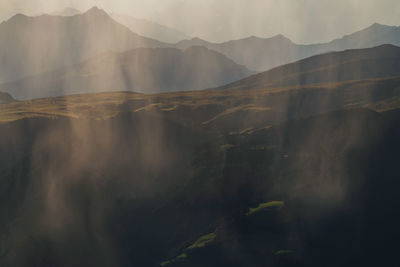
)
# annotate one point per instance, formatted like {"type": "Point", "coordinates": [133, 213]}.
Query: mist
{"type": "Point", "coordinates": [303, 21]}
{"type": "Point", "coordinates": [258, 141]}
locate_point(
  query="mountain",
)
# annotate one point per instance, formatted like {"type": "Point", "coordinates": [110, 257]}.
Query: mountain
{"type": "Point", "coordinates": [296, 166]}
{"type": "Point", "coordinates": [261, 54]}
{"type": "Point", "coordinates": [376, 34]}
{"type": "Point", "coordinates": [142, 27]}
{"type": "Point", "coordinates": [31, 45]}
{"type": "Point", "coordinates": [126, 179]}
{"type": "Point", "coordinates": [69, 11]}
{"type": "Point", "coordinates": [148, 70]}
{"type": "Point", "coordinates": [252, 176]}
{"type": "Point", "coordinates": [255, 53]}
{"type": "Point", "coordinates": [358, 64]}
{"type": "Point", "coordinates": [6, 98]}
{"type": "Point", "coordinates": [150, 29]}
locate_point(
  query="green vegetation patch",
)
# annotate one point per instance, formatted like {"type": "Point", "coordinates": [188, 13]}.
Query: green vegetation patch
{"type": "Point", "coordinates": [182, 256]}
{"type": "Point", "coordinates": [165, 263]}
{"type": "Point", "coordinates": [203, 241]}
{"type": "Point", "coordinates": [267, 205]}
{"type": "Point", "coordinates": [200, 243]}
{"type": "Point", "coordinates": [283, 252]}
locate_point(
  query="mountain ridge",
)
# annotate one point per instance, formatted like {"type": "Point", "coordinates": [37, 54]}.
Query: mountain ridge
{"type": "Point", "coordinates": [31, 45]}
{"type": "Point", "coordinates": [150, 29]}
{"type": "Point", "coordinates": [146, 70]}
{"type": "Point", "coordinates": [261, 54]}
{"type": "Point", "coordinates": [353, 64]}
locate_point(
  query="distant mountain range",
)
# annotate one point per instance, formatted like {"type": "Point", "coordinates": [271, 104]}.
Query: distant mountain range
{"type": "Point", "coordinates": [255, 53]}
{"type": "Point", "coordinates": [349, 65]}
{"type": "Point", "coordinates": [150, 29]}
{"type": "Point", "coordinates": [147, 70]}
{"type": "Point", "coordinates": [262, 54]}
{"type": "Point", "coordinates": [32, 45]}
{"type": "Point", "coordinates": [292, 167]}
{"type": "Point", "coordinates": [142, 27]}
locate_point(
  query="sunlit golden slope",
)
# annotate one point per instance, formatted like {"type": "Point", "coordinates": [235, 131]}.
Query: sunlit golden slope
{"type": "Point", "coordinates": [210, 105]}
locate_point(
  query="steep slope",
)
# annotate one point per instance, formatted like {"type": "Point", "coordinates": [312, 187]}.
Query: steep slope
{"type": "Point", "coordinates": [31, 45]}
{"type": "Point", "coordinates": [6, 98]}
{"type": "Point", "coordinates": [262, 54]}
{"type": "Point", "coordinates": [143, 188]}
{"type": "Point", "coordinates": [150, 29]}
{"type": "Point", "coordinates": [374, 35]}
{"type": "Point", "coordinates": [149, 70]}
{"type": "Point", "coordinates": [378, 62]}
{"type": "Point", "coordinates": [309, 184]}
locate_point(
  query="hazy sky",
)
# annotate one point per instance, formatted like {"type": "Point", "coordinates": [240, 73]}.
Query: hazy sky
{"type": "Point", "coordinates": [304, 21]}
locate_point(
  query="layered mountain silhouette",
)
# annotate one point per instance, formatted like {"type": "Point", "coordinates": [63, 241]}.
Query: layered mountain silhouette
{"type": "Point", "coordinates": [142, 27]}
{"type": "Point", "coordinates": [148, 70]}
{"type": "Point", "coordinates": [264, 53]}
{"type": "Point", "coordinates": [292, 167]}
{"type": "Point", "coordinates": [150, 29]}
{"type": "Point", "coordinates": [31, 45]}
{"type": "Point", "coordinates": [350, 65]}
{"type": "Point", "coordinates": [168, 69]}
{"type": "Point", "coordinates": [256, 176]}
{"type": "Point", "coordinates": [253, 52]}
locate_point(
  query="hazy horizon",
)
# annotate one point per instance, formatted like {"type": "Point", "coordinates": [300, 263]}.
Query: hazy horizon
{"type": "Point", "coordinates": [302, 21]}
{"type": "Point", "coordinates": [123, 144]}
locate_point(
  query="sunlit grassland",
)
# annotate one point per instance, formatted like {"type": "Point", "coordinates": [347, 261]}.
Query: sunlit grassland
{"type": "Point", "coordinates": [107, 105]}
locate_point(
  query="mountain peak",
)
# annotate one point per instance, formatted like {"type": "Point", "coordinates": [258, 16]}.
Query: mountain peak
{"type": "Point", "coordinates": [376, 27]}
{"type": "Point", "coordinates": [96, 11]}
{"type": "Point", "coordinates": [6, 98]}
{"type": "Point", "coordinates": [196, 39]}
{"type": "Point", "coordinates": [281, 37]}
{"type": "Point", "coordinates": [18, 17]}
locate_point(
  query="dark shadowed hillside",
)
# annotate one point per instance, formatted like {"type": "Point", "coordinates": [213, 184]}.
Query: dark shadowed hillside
{"type": "Point", "coordinates": [305, 175]}
{"type": "Point", "coordinates": [349, 65]}
{"type": "Point", "coordinates": [149, 70]}
{"type": "Point", "coordinates": [30, 45]}
{"type": "Point", "coordinates": [308, 192]}
{"type": "Point", "coordinates": [157, 186]}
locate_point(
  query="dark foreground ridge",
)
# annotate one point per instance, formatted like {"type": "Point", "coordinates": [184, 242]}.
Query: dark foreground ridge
{"type": "Point", "coordinates": [202, 179]}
